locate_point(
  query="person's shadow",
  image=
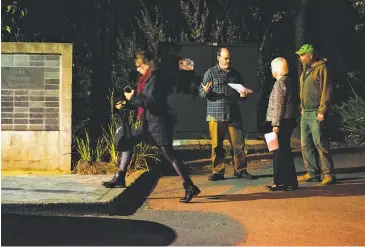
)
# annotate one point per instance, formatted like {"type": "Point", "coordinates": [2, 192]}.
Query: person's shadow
{"type": "Point", "coordinates": [25, 230]}
{"type": "Point", "coordinates": [128, 202]}
{"type": "Point", "coordinates": [340, 190]}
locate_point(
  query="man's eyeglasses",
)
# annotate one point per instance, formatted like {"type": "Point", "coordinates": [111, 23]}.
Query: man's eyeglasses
{"type": "Point", "coordinates": [226, 58]}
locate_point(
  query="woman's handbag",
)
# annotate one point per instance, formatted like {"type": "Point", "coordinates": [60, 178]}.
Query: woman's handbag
{"type": "Point", "coordinates": [123, 133]}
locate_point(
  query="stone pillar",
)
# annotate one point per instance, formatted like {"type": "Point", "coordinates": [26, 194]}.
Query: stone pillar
{"type": "Point", "coordinates": [36, 106]}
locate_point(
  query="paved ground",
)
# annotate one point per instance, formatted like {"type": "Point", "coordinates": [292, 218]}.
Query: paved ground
{"type": "Point", "coordinates": [312, 215]}
{"type": "Point", "coordinates": [229, 212]}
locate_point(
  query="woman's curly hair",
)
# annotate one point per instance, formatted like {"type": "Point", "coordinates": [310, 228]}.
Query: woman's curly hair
{"type": "Point", "coordinates": [146, 57]}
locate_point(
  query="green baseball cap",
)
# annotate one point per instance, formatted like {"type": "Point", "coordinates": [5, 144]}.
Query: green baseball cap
{"type": "Point", "coordinates": [306, 48]}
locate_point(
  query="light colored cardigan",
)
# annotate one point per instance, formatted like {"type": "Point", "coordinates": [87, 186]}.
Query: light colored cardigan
{"type": "Point", "coordinates": [281, 103]}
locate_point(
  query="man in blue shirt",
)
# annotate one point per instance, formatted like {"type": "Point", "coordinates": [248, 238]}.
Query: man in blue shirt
{"type": "Point", "coordinates": [223, 115]}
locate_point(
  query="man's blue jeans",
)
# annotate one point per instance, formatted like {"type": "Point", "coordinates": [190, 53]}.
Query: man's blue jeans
{"type": "Point", "coordinates": [315, 145]}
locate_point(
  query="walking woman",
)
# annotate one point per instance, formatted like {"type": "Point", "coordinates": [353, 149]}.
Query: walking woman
{"type": "Point", "coordinates": [150, 99]}
{"type": "Point", "coordinates": [282, 113]}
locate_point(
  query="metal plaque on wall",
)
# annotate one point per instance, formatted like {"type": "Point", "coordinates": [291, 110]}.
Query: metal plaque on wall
{"type": "Point", "coordinates": [22, 78]}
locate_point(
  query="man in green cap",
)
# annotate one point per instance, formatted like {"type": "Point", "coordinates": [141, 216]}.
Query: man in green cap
{"type": "Point", "coordinates": [315, 95]}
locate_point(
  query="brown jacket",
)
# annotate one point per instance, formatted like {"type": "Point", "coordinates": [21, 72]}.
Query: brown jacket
{"type": "Point", "coordinates": [316, 87]}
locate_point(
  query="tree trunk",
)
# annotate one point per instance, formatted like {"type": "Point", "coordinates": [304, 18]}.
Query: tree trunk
{"type": "Point", "coordinates": [262, 68]}
{"type": "Point", "coordinates": [101, 68]}
{"type": "Point", "coordinates": [299, 32]}
{"type": "Point", "coordinates": [299, 27]}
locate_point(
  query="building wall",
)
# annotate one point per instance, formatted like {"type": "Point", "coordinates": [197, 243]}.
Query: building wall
{"type": "Point", "coordinates": [36, 106]}
{"type": "Point", "coordinates": [189, 107]}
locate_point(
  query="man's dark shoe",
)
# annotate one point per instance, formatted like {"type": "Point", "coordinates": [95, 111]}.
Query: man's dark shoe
{"type": "Point", "coordinates": [117, 181]}
{"type": "Point", "coordinates": [244, 174]}
{"type": "Point", "coordinates": [216, 177]}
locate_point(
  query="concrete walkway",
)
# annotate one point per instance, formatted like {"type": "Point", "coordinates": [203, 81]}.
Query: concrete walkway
{"type": "Point", "coordinates": [56, 189]}
{"type": "Point", "coordinates": [82, 194]}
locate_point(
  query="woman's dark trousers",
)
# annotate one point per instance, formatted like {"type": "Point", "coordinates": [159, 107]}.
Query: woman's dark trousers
{"type": "Point", "coordinates": [166, 150]}
{"type": "Point", "coordinates": [283, 161]}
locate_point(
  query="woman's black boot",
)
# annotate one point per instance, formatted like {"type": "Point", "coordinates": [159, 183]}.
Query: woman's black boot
{"type": "Point", "coordinates": [191, 190]}
{"type": "Point", "coordinates": [117, 181]}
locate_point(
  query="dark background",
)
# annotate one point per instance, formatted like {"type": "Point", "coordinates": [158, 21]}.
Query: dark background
{"type": "Point", "coordinates": [99, 30]}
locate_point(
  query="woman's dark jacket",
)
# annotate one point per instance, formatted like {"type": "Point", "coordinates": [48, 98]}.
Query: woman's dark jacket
{"type": "Point", "coordinates": [156, 119]}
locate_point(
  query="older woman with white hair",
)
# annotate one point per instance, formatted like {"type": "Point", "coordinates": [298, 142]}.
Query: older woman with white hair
{"type": "Point", "coordinates": [282, 113]}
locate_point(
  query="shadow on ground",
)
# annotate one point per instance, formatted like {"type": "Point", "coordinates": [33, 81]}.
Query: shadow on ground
{"type": "Point", "coordinates": [345, 187]}
{"type": "Point", "coordinates": [128, 202]}
{"type": "Point", "coordinates": [57, 230]}
{"type": "Point", "coordinates": [344, 170]}
{"type": "Point", "coordinates": [348, 189]}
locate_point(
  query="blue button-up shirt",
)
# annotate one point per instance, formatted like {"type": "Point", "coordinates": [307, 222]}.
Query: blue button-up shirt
{"type": "Point", "coordinates": [222, 100]}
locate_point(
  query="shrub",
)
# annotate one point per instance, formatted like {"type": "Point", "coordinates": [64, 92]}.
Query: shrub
{"type": "Point", "coordinates": [153, 30]}
{"type": "Point", "coordinates": [125, 52]}
{"type": "Point", "coordinates": [196, 18]}
{"type": "Point", "coordinates": [86, 164]}
{"type": "Point", "coordinates": [95, 168]}
{"type": "Point", "coordinates": [352, 113]}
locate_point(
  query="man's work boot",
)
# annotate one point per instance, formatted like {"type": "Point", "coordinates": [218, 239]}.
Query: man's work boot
{"type": "Point", "coordinates": [308, 178]}
{"type": "Point", "coordinates": [117, 181]}
{"type": "Point", "coordinates": [328, 179]}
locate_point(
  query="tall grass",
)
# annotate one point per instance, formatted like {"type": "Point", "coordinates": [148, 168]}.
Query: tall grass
{"type": "Point", "coordinates": [109, 140]}
{"type": "Point", "coordinates": [83, 147]}
{"type": "Point", "coordinates": [100, 150]}
{"type": "Point", "coordinates": [144, 152]}
{"type": "Point", "coordinates": [108, 135]}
